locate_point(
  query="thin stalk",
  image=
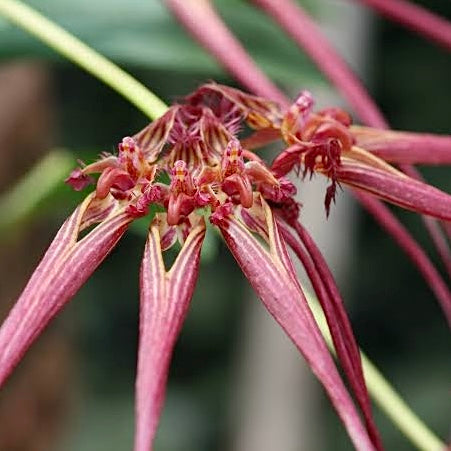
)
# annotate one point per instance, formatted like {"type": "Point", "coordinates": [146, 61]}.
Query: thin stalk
{"type": "Point", "coordinates": [79, 53]}
{"type": "Point", "coordinates": [384, 394]}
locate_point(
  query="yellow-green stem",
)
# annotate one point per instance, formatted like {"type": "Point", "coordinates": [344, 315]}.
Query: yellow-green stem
{"type": "Point", "coordinates": [22, 199]}
{"type": "Point", "coordinates": [384, 394]}
{"type": "Point", "coordinates": [78, 52]}
{"type": "Point", "coordinates": [75, 50]}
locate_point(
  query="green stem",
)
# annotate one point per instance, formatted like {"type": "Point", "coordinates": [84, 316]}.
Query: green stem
{"type": "Point", "coordinates": [24, 198]}
{"type": "Point", "coordinates": [94, 63]}
{"type": "Point", "coordinates": [73, 49]}
{"type": "Point", "coordinates": [384, 394]}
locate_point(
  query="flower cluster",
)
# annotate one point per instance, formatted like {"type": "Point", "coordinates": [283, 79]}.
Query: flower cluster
{"type": "Point", "coordinates": [197, 161]}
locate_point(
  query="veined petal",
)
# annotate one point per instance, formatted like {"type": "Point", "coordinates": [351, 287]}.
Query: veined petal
{"type": "Point", "coordinates": [400, 190]}
{"type": "Point", "coordinates": [274, 284]}
{"type": "Point", "coordinates": [65, 267]}
{"type": "Point", "coordinates": [165, 297]}
{"type": "Point", "coordinates": [404, 147]}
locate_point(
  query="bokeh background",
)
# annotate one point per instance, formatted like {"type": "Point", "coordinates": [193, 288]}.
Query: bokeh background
{"type": "Point", "coordinates": [74, 389]}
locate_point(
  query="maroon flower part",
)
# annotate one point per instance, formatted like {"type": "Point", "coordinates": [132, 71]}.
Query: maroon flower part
{"type": "Point", "coordinates": [200, 146]}
{"type": "Point", "coordinates": [78, 180]}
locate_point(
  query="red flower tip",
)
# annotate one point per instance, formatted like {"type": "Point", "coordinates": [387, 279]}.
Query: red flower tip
{"type": "Point", "coordinates": [78, 180]}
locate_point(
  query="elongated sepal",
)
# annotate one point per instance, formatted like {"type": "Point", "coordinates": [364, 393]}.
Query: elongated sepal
{"type": "Point", "coordinates": [404, 147]}
{"type": "Point", "coordinates": [65, 267]}
{"type": "Point", "coordinates": [165, 297]}
{"type": "Point", "coordinates": [397, 189]}
{"type": "Point", "coordinates": [272, 277]}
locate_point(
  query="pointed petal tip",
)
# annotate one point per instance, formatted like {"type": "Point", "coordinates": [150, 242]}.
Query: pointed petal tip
{"type": "Point", "coordinates": [65, 267]}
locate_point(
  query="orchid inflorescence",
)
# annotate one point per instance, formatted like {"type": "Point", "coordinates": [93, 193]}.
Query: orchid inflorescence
{"type": "Point", "coordinates": [198, 162]}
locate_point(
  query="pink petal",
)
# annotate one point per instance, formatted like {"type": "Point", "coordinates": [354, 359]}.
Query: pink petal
{"type": "Point", "coordinates": [165, 297]}
{"type": "Point", "coordinates": [404, 147]}
{"type": "Point", "coordinates": [65, 267]}
{"type": "Point", "coordinates": [400, 190]}
{"type": "Point", "coordinates": [274, 283]}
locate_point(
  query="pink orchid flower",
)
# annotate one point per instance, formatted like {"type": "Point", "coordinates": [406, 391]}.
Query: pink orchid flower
{"type": "Point", "coordinates": [214, 174]}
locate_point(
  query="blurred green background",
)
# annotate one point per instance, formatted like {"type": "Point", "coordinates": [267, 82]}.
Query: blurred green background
{"type": "Point", "coordinates": [396, 319]}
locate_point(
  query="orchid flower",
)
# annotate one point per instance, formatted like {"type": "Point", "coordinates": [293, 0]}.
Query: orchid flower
{"type": "Point", "coordinates": [401, 148]}
{"type": "Point", "coordinates": [195, 163]}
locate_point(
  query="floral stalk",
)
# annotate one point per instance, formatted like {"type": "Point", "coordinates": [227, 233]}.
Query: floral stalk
{"type": "Point", "coordinates": [384, 394]}
{"type": "Point", "coordinates": [418, 19]}
{"type": "Point", "coordinates": [207, 167]}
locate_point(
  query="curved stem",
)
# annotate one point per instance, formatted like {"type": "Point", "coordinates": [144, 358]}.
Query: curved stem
{"type": "Point", "coordinates": [79, 53]}
{"type": "Point", "coordinates": [384, 394]}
